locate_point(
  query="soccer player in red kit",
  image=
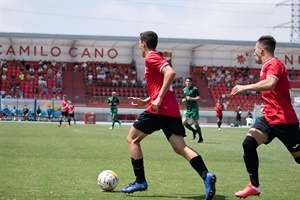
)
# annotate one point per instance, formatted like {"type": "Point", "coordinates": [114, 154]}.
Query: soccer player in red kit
{"type": "Point", "coordinates": [71, 110]}
{"type": "Point", "coordinates": [162, 113]}
{"type": "Point", "coordinates": [219, 107]}
{"type": "Point", "coordinates": [279, 118]}
{"type": "Point", "coordinates": [64, 111]}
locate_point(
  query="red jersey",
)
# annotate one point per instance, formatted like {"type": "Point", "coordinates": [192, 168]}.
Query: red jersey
{"type": "Point", "coordinates": [219, 107]}
{"type": "Point", "coordinates": [71, 109]}
{"type": "Point", "coordinates": [278, 106]}
{"type": "Point", "coordinates": [64, 106]}
{"type": "Point", "coordinates": [154, 63]}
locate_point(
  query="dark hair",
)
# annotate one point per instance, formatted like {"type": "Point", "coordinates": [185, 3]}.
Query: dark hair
{"type": "Point", "coordinates": [268, 43]}
{"type": "Point", "coordinates": [188, 78]}
{"type": "Point", "coordinates": [150, 38]}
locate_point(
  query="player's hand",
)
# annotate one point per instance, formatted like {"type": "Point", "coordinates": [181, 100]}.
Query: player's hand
{"type": "Point", "coordinates": [183, 100]}
{"type": "Point", "coordinates": [156, 103]}
{"type": "Point", "coordinates": [188, 98]}
{"type": "Point", "coordinates": [237, 89]}
{"type": "Point", "coordinates": [262, 108]}
{"type": "Point", "coordinates": [137, 101]}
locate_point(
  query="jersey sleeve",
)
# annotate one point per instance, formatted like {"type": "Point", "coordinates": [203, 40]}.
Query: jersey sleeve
{"type": "Point", "coordinates": [156, 61]}
{"type": "Point", "coordinates": [273, 71]}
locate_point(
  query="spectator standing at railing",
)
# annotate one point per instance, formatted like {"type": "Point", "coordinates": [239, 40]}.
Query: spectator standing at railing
{"type": "Point", "coordinates": [25, 113]}
{"type": "Point", "coordinates": [38, 113]}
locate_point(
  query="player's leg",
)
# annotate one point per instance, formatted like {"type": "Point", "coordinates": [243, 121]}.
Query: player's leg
{"type": "Point", "coordinates": [60, 120]}
{"type": "Point", "coordinates": [133, 139]}
{"type": "Point", "coordinates": [219, 122]}
{"type": "Point", "coordinates": [69, 120]}
{"type": "Point", "coordinates": [254, 138]}
{"type": "Point", "coordinates": [195, 117]}
{"type": "Point", "coordinates": [196, 162]}
{"type": "Point", "coordinates": [187, 125]}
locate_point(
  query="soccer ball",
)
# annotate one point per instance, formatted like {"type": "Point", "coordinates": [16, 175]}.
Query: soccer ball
{"type": "Point", "coordinates": [108, 180]}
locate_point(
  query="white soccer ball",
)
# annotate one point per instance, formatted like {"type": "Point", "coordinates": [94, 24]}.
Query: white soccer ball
{"type": "Point", "coordinates": [240, 112]}
{"type": "Point", "coordinates": [108, 180]}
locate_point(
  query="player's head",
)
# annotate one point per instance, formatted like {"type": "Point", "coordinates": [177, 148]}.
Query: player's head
{"type": "Point", "coordinates": [265, 45]}
{"type": "Point", "coordinates": [148, 41]}
{"type": "Point", "coordinates": [64, 97]}
{"type": "Point", "coordinates": [188, 82]}
{"type": "Point", "coordinates": [113, 94]}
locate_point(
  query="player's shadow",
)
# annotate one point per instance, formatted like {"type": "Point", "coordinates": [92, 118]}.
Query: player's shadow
{"type": "Point", "coordinates": [182, 196]}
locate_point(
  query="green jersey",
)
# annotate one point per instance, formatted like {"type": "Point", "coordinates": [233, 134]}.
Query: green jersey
{"type": "Point", "coordinates": [114, 102]}
{"type": "Point", "coordinates": [191, 107]}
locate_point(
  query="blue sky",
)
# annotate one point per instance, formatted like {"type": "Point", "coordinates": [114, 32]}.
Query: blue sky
{"type": "Point", "coordinates": [197, 19]}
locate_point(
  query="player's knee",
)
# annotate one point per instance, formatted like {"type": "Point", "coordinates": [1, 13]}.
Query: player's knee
{"type": "Point", "coordinates": [249, 143]}
{"type": "Point", "coordinates": [297, 160]}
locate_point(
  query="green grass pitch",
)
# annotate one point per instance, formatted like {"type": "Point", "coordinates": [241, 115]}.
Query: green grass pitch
{"type": "Point", "coordinates": [42, 161]}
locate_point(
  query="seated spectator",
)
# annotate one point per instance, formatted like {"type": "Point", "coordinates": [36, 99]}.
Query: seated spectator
{"type": "Point", "coordinates": [49, 113]}
{"type": "Point", "coordinates": [53, 63]}
{"type": "Point", "coordinates": [133, 82]}
{"type": "Point", "coordinates": [144, 83]}
{"type": "Point", "coordinates": [90, 78]}
{"type": "Point", "coordinates": [44, 90]}
{"type": "Point", "coordinates": [21, 76]}
{"type": "Point", "coordinates": [6, 112]}
{"type": "Point", "coordinates": [14, 113]}
{"type": "Point", "coordinates": [20, 94]}
{"type": "Point", "coordinates": [25, 113]}
{"type": "Point", "coordinates": [54, 90]}
{"type": "Point", "coordinates": [115, 82]}
{"type": "Point", "coordinates": [58, 82]}
{"type": "Point", "coordinates": [35, 89]}
{"type": "Point", "coordinates": [63, 66]}
{"type": "Point", "coordinates": [3, 77]}
{"type": "Point", "coordinates": [49, 73]}
{"type": "Point", "coordinates": [38, 113]}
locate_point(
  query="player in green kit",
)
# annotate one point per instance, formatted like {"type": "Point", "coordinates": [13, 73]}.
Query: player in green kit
{"type": "Point", "coordinates": [113, 101]}
{"type": "Point", "coordinates": [191, 98]}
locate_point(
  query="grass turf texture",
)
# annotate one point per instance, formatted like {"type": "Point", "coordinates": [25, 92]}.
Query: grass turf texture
{"type": "Point", "coordinates": [42, 161]}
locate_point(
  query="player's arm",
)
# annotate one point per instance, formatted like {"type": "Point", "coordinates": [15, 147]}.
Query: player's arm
{"type": "Point", "coordinates": [139, 102]}
{"type": "Point", "coordinates": [267, 84]}
{"type": "Point", "coordinates": [197, 98]}
{"type": "Point", "coordinates": [169, 75]}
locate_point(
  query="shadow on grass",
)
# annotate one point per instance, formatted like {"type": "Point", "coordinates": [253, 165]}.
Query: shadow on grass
{"type": "Point", "coordinates": [177, 196]}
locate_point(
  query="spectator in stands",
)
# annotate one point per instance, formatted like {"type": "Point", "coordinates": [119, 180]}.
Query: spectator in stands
{"type": "Point", "coordinates": [292, 74]}
{"type": "Point", "coordinates": [124, 81]}
{"type": "Point", "coordinates": [132, 64]}
{"type": "Point", "coordinates": [2, 93]}
{"type": "Point", "coordinates": [38, 113]}
{"type": "Point", "coordinates": [21, 76]}
{"type": "Point", "coordinates": [63, 66]}
{"type": "Point", "coordinates": [25, 113]}
{"type": "Point", "coordinates": [49, 73]}
{"type": "Point", "coordinates": [14, 113]}
{"type": "Point", "coordinates": [20, 93]}
{"type": "Point", "coordinates": [40, 71]}
{"type": "Point", "coordinates": [114, 82]}
{"type": "Point", "coordinates": [133, 82]}
{"type": "Point", "coordinates": [35, 89]}
{"type": "Point", "coordinates": [54, 89]}
{"type": "Point", "coordinates": [214, 69]}
{"type": "Point", "coordinates": [31, 72]}
{"type": "Point", "coordinates": [133, 73]}
{"type": "Point", "coordinates": [45, 90]}
{"type": "Point", "coordinates": [75, 66]}
{"type": "Point", "coordinates": [53, 63]}
{"type": "Point", "coordinates": [58, 82]}
{"type": "Point", "coordinates": [4, 77]}
{"type": "Point", "coordinates": [144, 83]}
{"type": "Point", "coordinates": [90, 78]}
